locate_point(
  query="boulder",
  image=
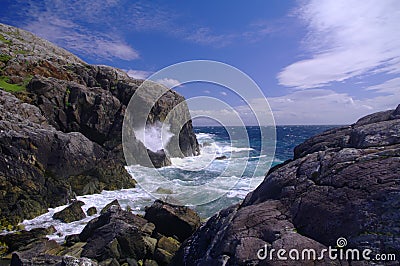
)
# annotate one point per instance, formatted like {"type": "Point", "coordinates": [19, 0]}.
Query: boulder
{"type": "Point", "coordinates": [108, 206]}
{"type": "Point", "coordinates": [116, 234]}
{"type": "Point", "coordinates": [91, 211]}
{"type": "Point", "coordinates": [18, 240]}
{"type": "Point", "coordinates": [71, 213]}
{"type": "Point", "coordinates": [172, 220]}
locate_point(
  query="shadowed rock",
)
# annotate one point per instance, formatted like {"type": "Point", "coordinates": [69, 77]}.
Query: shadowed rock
{"type": "Point", "coordinates": [172, 220]}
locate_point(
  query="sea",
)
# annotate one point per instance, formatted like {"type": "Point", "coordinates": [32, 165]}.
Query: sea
{"type": "Point", "coordinates": [227, 170]}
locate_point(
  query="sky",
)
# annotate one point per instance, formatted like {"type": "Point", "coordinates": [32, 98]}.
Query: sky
{"type": "Point", "coordinates": [316, 61]}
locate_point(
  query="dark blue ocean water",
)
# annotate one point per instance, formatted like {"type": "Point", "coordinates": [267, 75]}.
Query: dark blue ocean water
{"type": "Point", "coordinates": [287, 137]}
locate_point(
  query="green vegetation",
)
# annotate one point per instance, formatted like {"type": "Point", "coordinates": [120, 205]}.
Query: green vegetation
{"type": "Point", "coordinates": [5, 58]}
{"type": "Point", "coordinates": [22, 52]}
{"type": "Point", "coordinates": [10, 87]}
{"type": "Point", "coordinates": [4, 83]}
{"type": "Point", "coordinates": [4, 40]}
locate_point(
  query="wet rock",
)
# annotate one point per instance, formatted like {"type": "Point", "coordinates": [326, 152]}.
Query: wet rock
{"type": "Point", "coordinates": [115, 234]}
{"type": "Point", "coordinates": [168, 244]}
{"type": "Point", "coordinates": [223, 157]}
{"type": "Point", "coordinates": [91, 211]}
{"type": "Point", "coordinates": [172, 220]}
{"type": "Point", "coordinates": [18, 240]}
{"type": "Point", "coordinates": [108, 206]}
{"type": "Point", "coordinates": [71, 213]}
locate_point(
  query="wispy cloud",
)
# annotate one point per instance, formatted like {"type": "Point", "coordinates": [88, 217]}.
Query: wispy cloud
{"type": "Point", "coordinates": [64, 23]}
{"type": "Point", "coordinates": [170, 83]}
{"type": "Point", "coordinates": [317, 106]}
{"type": "Point", "coordinates": [346, 38]}
{"type": "Point", "coordinates": [391, 86]}
{"type": "Point", "coordinates": [138, 74]}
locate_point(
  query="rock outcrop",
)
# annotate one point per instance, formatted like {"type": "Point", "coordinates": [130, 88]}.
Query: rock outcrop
{"type": "Point", "coordinates": [116, 237]}
{"type": "Point", "coordinates": [61, 126]}
{"type": "Point", "coordinates": [344, 182]}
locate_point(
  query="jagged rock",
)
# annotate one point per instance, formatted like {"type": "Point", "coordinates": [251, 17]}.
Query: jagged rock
{"type": "Point", "coordinates": [168, 244]}
{"type": "Point", "coordinates": [61, 134]}
{"type": "Point", "coordinates": [71, 213]}
{"type": "Point", "coordinates": [172, 220]}
{"type": "Point", "coordinates": [18, 240]}
{"type": "Point", "coordinates": [108, 206]}
{"type": "Point", "coordinates": [341, 183]}
{"type": "Point", "coordinates": [115, 234]}
{"type": "Point", "coordinates": [150, 263]}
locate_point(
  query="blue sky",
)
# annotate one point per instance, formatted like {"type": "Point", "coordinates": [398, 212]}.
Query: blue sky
{"type": "Point", "coordinates": [317, 62]}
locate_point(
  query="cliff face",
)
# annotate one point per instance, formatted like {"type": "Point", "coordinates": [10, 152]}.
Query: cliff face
{"type": "Point", "coordinates": [61, 126]}
{"type": "Point", "coordinates": [342, 183]}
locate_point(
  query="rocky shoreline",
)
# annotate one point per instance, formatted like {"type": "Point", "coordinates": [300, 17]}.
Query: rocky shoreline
{"type": "Point", "coordinates": [343, 183]}
{"type": "Point", "coordinates": [60, 136]}
{"type": "Point", "coordinates": [116, 237]}
{"type": "Point", "coordinates": [61, 127]}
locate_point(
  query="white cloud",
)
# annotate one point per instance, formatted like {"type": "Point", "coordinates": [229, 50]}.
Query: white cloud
{"type": "Point", "coordinates": [318, 106]}
{"type": "Point", "coordinates": [57, 21]}
{"type": "Point", "coordinates": [170, 83]}
{"type": "Point", "coordinates": [391, 86]}
{"type": "Point", "coordinates": [138, 74]}
{"type": "Point", "coordinates": [346, 38]}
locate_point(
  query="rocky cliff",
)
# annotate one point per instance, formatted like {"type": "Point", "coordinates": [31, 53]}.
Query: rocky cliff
{"type": "Point", "coordinates": [61, 126]}
{"type": "Point", "coordinates": [342, 183]}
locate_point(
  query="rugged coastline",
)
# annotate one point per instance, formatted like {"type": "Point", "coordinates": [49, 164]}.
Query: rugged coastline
{"type": "Point", "coordinates": [61, 124]}
{"type": "Point", "coordinates": [60, 136]}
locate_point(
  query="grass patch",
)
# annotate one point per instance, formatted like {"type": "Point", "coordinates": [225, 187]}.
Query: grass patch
{"type": "Point", "coordinates": [5, 58]}
{"type": "Point", "coordinates": [22, 52]}
{"type": "Point", "coordinates": [10, 87]}
{"type": "Point", "coordinates": [4, 40]}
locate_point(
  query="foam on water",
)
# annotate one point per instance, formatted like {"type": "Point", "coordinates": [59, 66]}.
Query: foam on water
{"type": "Point", "coordinates": [202, 177]}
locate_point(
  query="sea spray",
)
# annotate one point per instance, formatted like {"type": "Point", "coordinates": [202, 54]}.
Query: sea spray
{"type": "Point", "coordinates": [154, 136]}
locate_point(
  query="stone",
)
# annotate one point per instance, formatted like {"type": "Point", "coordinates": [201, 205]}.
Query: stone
{"type": "Point", "coordinates": [223, 157]}
{"type": "Point", "coordinates": [150, 263]}
{"type": "Point", "coordinates": [168, 244]}
{"type": "Point", "coordinates": [71, 213]}
{"type": "Point", "coordinates": [18, 240]}
{"type": "Point", "coordinates": [172, 220]}
{"type": "Point", "coordinates": [163, 257]}
{"type": "Point", "coordinates": [108, 206]}
{"type": "Point", "coordinates": [91, 211]}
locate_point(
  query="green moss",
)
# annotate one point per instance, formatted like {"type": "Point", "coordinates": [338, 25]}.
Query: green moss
{"type": "Point", "coordinates": [10, 87]}
{"type": "Point", "coordinates": [4, 40]}
{"type": "Point", "coordinates": [5, 58]}
{"type": "Point", "coordinates": [22, 52]}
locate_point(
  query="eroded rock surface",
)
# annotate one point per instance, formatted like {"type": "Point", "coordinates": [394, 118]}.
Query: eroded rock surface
{"type": "Point", "coordinates": [342, 183]}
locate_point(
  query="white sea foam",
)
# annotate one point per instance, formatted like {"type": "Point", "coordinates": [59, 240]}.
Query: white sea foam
{"type": "Point", "coordinates": [196, 176]}
{"type": "Point", "coordinates": [154, 136]}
